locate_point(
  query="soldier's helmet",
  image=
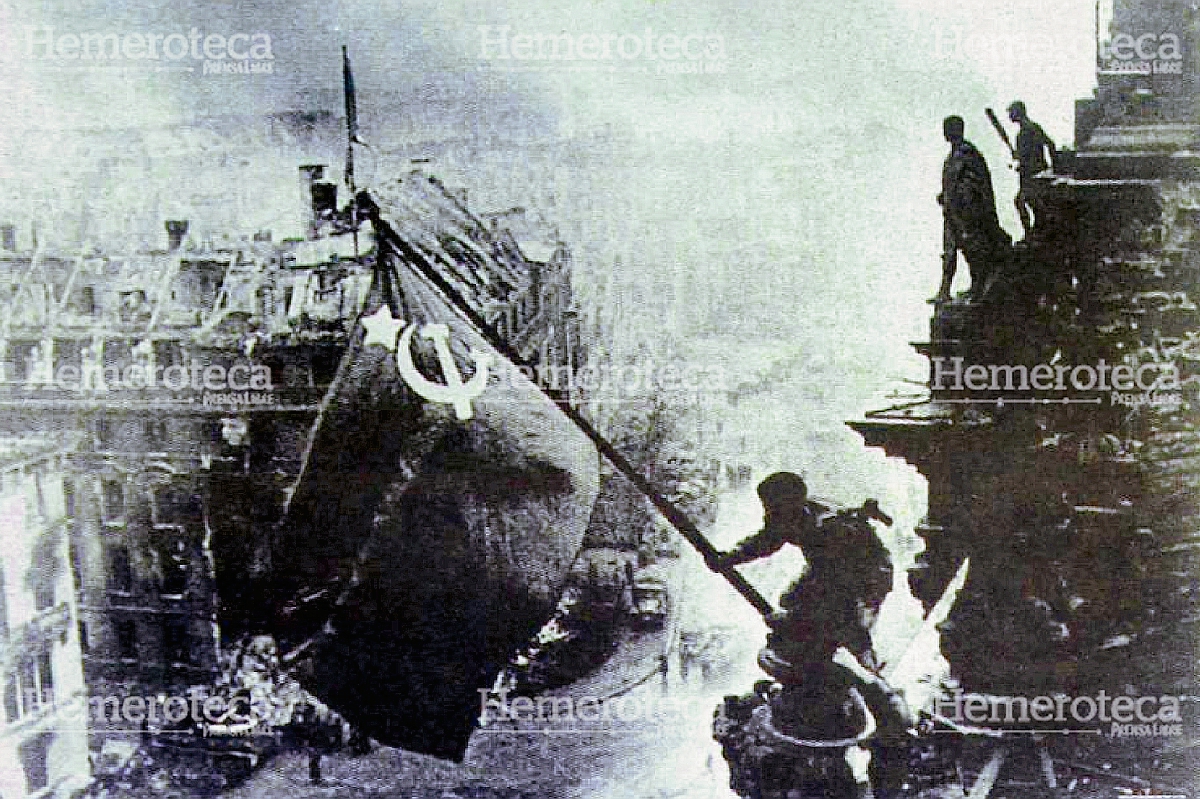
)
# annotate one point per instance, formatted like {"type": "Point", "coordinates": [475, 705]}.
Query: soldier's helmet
{"type": "Point", "coordinates": [783, 493]}
{"type": "Point", "coordinates": [953, 126]}
{"type": "Point", "coordinates": [1016, 107]}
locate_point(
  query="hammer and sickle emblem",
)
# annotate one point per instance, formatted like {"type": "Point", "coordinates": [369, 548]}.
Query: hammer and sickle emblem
{"type": "Point", "coordinates": [454, 392]}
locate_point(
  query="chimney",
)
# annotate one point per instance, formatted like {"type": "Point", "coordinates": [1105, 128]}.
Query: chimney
{"type": "Point", "coordinates": [176, 230]}
{"type": "Point", "coordinates": [309, 175]}
{"type": "Point", "coordinates": [8, 238]}
{"type": "Point", "coordinates": [324, 203]}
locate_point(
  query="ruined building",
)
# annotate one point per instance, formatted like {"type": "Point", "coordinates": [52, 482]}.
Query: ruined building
{"type": "Point", "coordinates": [189, 377]}
{"type": "Point", "coordinates": [1059, 435]}
{"type": "Point", "coordinates": [44, 728]}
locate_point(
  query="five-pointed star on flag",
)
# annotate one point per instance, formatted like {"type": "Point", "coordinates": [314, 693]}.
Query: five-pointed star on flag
{"type": "Point", "coordinates": [382, 328]}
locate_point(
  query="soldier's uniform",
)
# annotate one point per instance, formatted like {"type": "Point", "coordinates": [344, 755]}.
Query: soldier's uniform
{"type": "Point", "coordinates": [1031, 148]}
{"type": "Point", "coordinates": [969, 213]}
{"type": "Point", "coordinates": [831, 605]}
{"type": "Point", "coordinates": [835, 600]}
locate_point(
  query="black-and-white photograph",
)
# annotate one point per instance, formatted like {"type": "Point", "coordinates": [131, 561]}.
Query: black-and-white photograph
{"type": "Point", "coordinates": [599, 399]}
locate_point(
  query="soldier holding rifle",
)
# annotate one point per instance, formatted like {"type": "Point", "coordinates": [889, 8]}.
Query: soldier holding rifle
{"type": "Point", "coordinates": [1033, 145]}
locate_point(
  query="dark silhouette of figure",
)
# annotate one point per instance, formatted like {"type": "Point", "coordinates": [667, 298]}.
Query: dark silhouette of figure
{"type": "Point", "coordinates": [833, 604]}
{"type": "Point", "coordinates": [969, 213]}
{"type": "Point", "coordinates": [848, 571]}
{"type": "Point", "coordinates": [314, 766]}
{"type": "Point", "coordinates": [1033, 146]}
{"type": "Point", "coordinates": [309, 737]}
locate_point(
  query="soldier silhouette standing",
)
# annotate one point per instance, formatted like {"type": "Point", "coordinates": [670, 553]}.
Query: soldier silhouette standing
{"type": "Point", "coordinates": [969, 214]}
{"type": "Point", "coordinates": [1032, 147]}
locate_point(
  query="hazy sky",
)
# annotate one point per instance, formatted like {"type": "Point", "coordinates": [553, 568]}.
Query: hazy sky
{"type": "Point", "coordinates": [780, 56]}
{"type": "Point", "coordinates": [815, 143]}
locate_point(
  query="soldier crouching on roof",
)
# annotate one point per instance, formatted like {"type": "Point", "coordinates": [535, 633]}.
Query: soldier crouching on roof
{"type": "Point", "coordinates": [832, 605]}
{"type": "Point", "coordinates": [848, 570]}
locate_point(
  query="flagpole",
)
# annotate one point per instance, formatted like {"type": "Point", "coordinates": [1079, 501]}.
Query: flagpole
{"type": "Point", "coordinates": [387, 237]}
{"type": "Point", "coordinates": [351, 135]}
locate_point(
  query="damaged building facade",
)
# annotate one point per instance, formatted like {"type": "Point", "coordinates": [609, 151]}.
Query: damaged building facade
{"type": "Point", "coordinates": [188, 378]}
{"type": "Point", "coordinates": [43, 737]}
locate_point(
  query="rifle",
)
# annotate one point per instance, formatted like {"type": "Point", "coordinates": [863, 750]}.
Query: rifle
{"type": "Point", "coordinates": [1001, 132]}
